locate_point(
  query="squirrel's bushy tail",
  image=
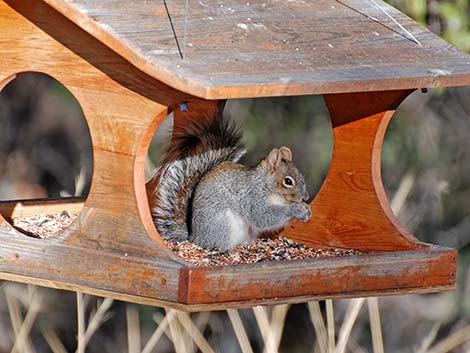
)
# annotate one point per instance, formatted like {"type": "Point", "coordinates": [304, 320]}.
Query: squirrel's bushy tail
{"type": "Point", "coordinates": [195, 149]}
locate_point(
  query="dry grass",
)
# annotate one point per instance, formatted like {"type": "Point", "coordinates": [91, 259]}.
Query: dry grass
{"type": "Point", "coordinates": [97, 318]}
{"type": "Point", "coordinates": [22, 327]}
{"type": "Point", "coordinates": [53, 340]}
{"type": "Point", "coordinates": [158, 333]}
{"type": "Point", "coordinates": [186, 333]}
{"type": "Point", "coordinates": [240, 331]}
{"type": "Point", "coordinates": [375, 325]}
{"type": "Point", "coordinates": [352, 312]}
{"type": "Point", "coordinates": [319, 325]}
{"type": "Point", "coordinates": [452, 341]}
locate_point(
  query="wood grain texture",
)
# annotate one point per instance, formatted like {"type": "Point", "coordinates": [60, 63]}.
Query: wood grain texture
{"type": "Point", "coordinates": [270, 47]}
{"type": "Point", "coordinates": [95, 271]}
{"type": "Point", "coordinates": [351, 209]}
{"type": "Point", "coordinates": [213, 306]}
{"type": "Point", "coordinates": [30, 208]}
{"type": "Point", "coordinates": [122, 107]}
{"type": "Point", "coordinates": [304, 299]}
{"type": "Point", "coordinates": [351, 276]}
{"type": "Point", "coordinates": [107, 249]}
{"type": "Point", "coordinates": [113, 248]}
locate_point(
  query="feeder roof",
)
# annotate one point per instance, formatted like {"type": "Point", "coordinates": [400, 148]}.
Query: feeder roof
{"type": "Point", "coordinates": [255, 48]}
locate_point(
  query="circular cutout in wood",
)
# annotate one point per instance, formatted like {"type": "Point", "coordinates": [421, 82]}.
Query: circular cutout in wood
{"type": "Point", "coordinates": [46, 159]}
{"type": "Point", "coordinates": [300, 123]}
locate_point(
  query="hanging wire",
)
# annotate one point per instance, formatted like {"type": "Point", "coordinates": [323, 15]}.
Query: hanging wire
{"type": "Point", "coordinates": [173, 29]}
{"type": "Point", "coordinates": [407, 35]}
{"type": "Point", "coordinates": [380, 8]}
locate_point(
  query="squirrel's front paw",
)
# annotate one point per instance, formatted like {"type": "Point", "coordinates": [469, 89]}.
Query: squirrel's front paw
{"type": "Point", "coordinates": [303, 212]}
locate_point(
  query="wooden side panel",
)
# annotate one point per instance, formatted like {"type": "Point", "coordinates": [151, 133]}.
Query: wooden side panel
{"type": "Point", "coordinates": [386, 273]}
{"type": "Point", "coordinates": [107, 250]}
{"type": "Point", "coordinates": [351, 209]}
{"type": "Point", "coordinates": [122, 107]}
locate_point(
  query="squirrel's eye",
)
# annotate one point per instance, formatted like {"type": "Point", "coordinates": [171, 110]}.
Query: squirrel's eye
{"type": "Point", "coordinates": [288, 182]}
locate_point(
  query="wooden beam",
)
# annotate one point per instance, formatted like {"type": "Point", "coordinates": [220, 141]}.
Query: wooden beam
{"type": "Point", "coordinates": [355, 276]}
{"type": "Point", "coordinates": [30, 208]}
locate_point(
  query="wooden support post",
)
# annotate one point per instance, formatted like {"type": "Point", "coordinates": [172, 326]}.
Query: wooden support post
{"type": "Point", "coordinates": [351, 209]}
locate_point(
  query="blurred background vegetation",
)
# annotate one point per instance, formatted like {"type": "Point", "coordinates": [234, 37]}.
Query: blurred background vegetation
{"type": "Point", "coordinates": [45, 151]}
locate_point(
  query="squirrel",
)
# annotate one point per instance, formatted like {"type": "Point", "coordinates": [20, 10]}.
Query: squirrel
{"type": "Point", "coordinates": [201, 194]}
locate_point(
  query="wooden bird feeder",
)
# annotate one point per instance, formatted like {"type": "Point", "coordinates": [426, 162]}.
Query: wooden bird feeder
{"type": "Point", "coordinates": [121, 61]}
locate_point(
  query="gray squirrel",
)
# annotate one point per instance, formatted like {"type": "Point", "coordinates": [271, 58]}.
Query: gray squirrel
{"type": "Point", "coordinates": [201, 194]}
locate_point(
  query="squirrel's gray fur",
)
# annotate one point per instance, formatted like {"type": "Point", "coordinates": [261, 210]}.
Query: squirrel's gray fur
{"type": "Point", "coordinates": [206, 197]}
{"type": "Point", "coordinates": [197, 148]}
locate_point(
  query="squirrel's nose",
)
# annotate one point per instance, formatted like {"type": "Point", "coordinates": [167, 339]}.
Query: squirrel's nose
{"type": "Point", "coordinates": [305, 196]}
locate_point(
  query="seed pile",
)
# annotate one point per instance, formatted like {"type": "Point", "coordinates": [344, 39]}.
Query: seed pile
{"type": "Point", "coordinates": [262, 249]}
{"type": "Point", "coordinates": [44, 225]}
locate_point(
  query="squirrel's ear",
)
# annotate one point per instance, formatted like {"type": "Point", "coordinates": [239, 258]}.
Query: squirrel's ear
{"type": "Point", "coordinates": [273, 158]}
{"type": "Point", "coordinates": [285, 153]}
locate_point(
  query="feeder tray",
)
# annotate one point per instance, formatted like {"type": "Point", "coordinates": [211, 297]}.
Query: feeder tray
{"type": "Point", "coordinates": [121, 61]}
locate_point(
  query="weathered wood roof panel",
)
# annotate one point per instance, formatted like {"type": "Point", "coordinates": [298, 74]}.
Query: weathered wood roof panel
{"type": "Point", "coordinates": [272, 47]}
